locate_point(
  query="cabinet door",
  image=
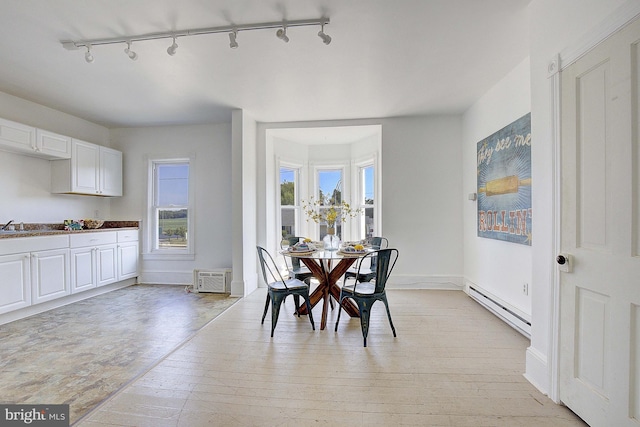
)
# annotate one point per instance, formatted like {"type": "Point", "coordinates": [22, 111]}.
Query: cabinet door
{"type": "Point", "coordinates": [52, 146]}
{"type": "Point", "coordinates": [106, 262]}
{"type": "Point", "coordinates": [127, 260]}
{"type": "Point", "coordinates": [17, 137]}
{"type": "Point", "coordinates": [15, 286]}
{"type": "Point", "coordinates": [110, 172]}
{"type": "Point", "coordinates": [84, 167]}
{"type": "Point", "coordinates": [83, 269]}
{"type": "Point", "coordinates": [49, 275]}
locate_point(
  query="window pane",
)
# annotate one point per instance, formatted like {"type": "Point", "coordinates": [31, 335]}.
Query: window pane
{"type": "Point", "coordinates": [173, 228]}
{"type": "Point", "coordinates": [368, 222]}
{"type": "Point", "coordinates": [173, 185]}
{"type": "Point", "coordinates": [330, 186]}
{"type": "Point", "coordinates": [288, 223]}
{"type": "Point", "coordinates": [368, 185]}
{"type": "Point", "coordinates": [287, 187]}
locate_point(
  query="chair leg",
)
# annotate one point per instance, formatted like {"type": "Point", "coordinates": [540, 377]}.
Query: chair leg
{"type": "Point", "coordinates": [363, 307]}
{"type": "Point", "coordinates": [339, 311]}
{"type": "Point", "coordinates": [275, 311]}
{"type": "Point", "coordinates": [266, 307]}
{"type": "Point", "coordinates": [306, 298]}
{"type": "Point", "coordinates": [296, 300]}
{"type": "Point", "coordinates": [386, 304]}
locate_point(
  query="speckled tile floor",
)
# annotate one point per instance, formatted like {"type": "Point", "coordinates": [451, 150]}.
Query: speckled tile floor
{"type": "Point", "coordinates": [82, 353]}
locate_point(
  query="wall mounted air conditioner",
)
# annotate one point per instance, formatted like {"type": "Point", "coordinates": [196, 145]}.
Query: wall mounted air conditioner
{"type": "Point", "coordinates": [217, 281]}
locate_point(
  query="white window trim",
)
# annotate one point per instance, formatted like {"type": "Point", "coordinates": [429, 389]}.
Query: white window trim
{"type": "Point", "coordinates": [298, 167]}
{"type": "Point", "coordinates": [149, 252]}
{"type": "Point", "coordinates": [358, 188]}
{"type": "Point", "coordinates": [347, 226]}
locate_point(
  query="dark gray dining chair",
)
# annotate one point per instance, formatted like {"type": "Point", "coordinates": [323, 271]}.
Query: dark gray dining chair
{"type": "Point", "coordinates": [278, 289]}
{"type": "Point", "coordinates": [295, 267]}
{"type": "Point", "coordinates": [364, 294]}
{"type": "Point", "coordinates": [366, 274]}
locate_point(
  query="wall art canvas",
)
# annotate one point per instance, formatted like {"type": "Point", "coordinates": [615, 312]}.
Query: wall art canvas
{"type": "Point", "coordinates": [504, 183]}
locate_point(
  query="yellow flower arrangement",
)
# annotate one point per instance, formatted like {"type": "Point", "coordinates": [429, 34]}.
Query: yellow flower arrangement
{"type": "Point", "coordinates": [320, 210]}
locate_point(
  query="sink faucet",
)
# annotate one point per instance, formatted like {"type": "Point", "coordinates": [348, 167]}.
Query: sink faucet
{"type": "Point", "coordinates": [4, 227]}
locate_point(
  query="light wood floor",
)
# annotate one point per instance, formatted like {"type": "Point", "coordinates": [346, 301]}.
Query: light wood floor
{"type": "Point", "coordinates": [452, 364]}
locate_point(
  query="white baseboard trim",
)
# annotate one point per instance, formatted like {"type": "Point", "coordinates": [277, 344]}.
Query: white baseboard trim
{"type": "Point", "coordinates": [50, 305]}
{"type": "Point", "coordinates": [167, 277]}
{"type": "Point", "coordinates": [405, 281]}
{"type": "Point", "coordinates": [537, 370]}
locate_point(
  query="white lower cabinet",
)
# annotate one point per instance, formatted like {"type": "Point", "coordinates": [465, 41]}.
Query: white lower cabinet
{"type": "Point", "coordinates": [38, 269]}
{"type": "Point", "coordinates": [49, 275]}
{"type": "Point", "coordinates": [93, 260]}
{"type": "Point", "coordinates": [83, 269]}
{"type": "Point", "coordinates": [15, 287]}
{"type": "Point", "coordinates": [106, 258]}
{"type": "Point", "coordinates": [127, 254]}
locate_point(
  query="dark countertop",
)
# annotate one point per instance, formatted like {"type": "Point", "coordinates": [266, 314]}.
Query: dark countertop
{"type": "Point", "coordinates": [32, 230]}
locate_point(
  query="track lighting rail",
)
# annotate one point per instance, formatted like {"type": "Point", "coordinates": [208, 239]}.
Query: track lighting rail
{"type": "Point", "coordinates": [77, 44]}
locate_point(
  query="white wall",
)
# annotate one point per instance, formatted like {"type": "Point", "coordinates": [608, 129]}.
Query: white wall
{"type": "Point", "coordinates": [421, 195]}
{"type": "Point", "coordinates": [26, 181]}
{"type": "Point", "coordinates": [554, 26]}
{"type": "Point", "coordinates": [211, 147]}
{"type": "Point", "coordinates": [500, 268]}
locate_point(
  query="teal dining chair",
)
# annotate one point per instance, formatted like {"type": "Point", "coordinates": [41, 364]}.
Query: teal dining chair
{"type": "Point", "coordinates": [278, 289]}
{"type": "Point", "coordinates": [364, 294]}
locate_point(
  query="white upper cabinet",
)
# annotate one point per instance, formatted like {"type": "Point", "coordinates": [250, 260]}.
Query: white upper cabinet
{"type": "Point", "coordinates": [92, 170]}
{"type": "Point", "coordinates": [110, 172]}
{"type": "Point", "coordinates": [17, 137]}
{"type": "Point", "coordinates": [28, 140]}
{"type": "Point", "coordinates": [52, 145]}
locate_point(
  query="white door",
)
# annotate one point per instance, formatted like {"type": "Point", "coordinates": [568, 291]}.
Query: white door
{"type": "Point", "coordinates": [600, 298]}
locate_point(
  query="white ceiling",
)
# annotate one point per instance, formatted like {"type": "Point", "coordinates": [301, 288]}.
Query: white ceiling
{"type": "Point", "coordinates": [387, 58]}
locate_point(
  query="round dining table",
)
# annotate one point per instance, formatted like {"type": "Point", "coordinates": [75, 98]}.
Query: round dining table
{"type": "Point", "coordinates": [327, 267]}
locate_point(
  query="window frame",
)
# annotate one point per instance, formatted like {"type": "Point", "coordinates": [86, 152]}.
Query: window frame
{"type": "Point", "coordinates": [359, 168]}
{"type": "Point", "coordinates": [296, 207]}
{"type": "Point", "coordinates": [151, 250]}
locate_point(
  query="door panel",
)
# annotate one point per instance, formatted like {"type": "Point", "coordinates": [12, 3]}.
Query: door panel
{"type": "Point", "coordinates": [599, 299]}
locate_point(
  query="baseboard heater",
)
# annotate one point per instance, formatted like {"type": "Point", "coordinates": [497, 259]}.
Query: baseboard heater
{"type": "Point", "coordinates": [508, 316]}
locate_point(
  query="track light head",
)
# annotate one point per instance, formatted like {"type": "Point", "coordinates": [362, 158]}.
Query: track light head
{"type": "Point", "coordinates": [88, 56]}
{"type": "Point", "coordinates": [171, 50]}
{"type": "Point", "coordinates": [282, 34]}
{"type": "Point", "coordinates": [131, 54]}
{"type": "Point", "coordinates": [326, 39]}
{"type": "Point", "coordinates": [233, 44]}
